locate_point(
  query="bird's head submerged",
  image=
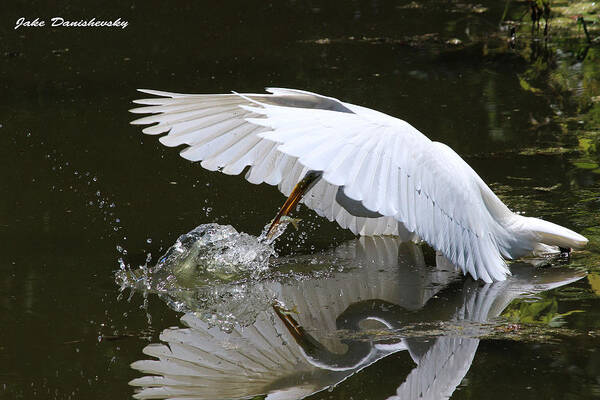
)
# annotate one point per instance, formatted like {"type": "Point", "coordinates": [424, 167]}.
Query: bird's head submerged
{"type": "Point", "coordinates": [536, 235]}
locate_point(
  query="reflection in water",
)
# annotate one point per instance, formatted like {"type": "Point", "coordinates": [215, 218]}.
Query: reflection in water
{"type": "Point", "coordinates": [322, 329]}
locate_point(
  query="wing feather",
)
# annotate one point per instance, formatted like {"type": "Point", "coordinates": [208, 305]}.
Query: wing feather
{"type": "Point", "coordinates": [416, 185]}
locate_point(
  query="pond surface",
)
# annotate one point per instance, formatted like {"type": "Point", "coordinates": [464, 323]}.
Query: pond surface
{"type": "Point", "coordinates": [333, 316]}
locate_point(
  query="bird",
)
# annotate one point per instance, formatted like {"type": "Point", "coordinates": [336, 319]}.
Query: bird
{"type": "Point", "coordinates": [372, 173]}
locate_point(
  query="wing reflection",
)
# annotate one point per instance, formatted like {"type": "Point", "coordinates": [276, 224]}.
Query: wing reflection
{"type": "Point", "coordinates": [323, 330]}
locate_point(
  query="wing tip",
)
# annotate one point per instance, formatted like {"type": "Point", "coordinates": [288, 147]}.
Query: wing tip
{"type": "Point", "coordinates": [159, 93]}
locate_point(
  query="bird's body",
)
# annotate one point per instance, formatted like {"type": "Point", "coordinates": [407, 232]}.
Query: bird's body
{"type": "Point", "coordinates": [372, 173]}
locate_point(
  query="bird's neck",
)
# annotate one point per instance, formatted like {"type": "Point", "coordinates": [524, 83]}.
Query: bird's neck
{"type": "Point", "coordinates": [523, 235]}
{"type": "Point", "coordinates": [512, 231]}
{"type": "Point", "coordinates": [516, 239]}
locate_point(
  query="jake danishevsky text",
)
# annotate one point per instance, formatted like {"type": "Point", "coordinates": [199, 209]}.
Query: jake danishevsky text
{"type": "Point", "coordinates": [62, 22]}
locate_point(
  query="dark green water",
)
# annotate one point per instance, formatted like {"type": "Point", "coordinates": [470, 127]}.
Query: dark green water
{"type": "Point", "coordinates": [77, 181]}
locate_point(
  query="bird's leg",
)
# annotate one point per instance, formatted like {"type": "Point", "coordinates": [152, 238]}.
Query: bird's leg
{"type": "Point", "coordinates": [309, 344]}
{"type": "Point", "coordinates": [299, 191]}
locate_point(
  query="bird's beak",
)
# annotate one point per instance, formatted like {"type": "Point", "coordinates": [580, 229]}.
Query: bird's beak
{"type": "Point", "coordinates": [299, 190]}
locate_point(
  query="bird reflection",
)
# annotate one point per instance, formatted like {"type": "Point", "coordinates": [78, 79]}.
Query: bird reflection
{"type": "Point", "coordinates": [322, 330]}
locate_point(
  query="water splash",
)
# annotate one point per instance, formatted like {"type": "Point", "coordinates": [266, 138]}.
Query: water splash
{"type": "Point", "coordinates": [279, 229]}
{"type": "Point", "coordinates": [215, 253]}
{"type": "Point", "coordinates": [213, 270]}
{"type": "Point", "coordinates": [208, 254]}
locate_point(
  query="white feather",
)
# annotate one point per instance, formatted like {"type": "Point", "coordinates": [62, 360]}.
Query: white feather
{"type": "Point", "coordinates": [416, 185]}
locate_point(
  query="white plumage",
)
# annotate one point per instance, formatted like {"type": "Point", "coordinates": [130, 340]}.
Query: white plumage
{"type": "Point", "coordinates": [379, 175]}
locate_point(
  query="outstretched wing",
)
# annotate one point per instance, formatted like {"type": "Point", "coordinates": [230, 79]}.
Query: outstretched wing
{"type": "Point", "coordinates": [382, 162]}
{"type": "Point", "coordinates": [217, 133]}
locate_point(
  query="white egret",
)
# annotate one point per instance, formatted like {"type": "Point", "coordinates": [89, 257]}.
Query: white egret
{"type": "Point", "coordinates": [372, 173]}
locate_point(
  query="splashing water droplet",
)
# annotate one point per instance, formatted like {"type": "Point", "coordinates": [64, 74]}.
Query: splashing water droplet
{"type": "Point", "coordinates": [206, 266]}
{"type": "Point", "coordinates": [208, 254]}
{"type": "Point", "coordinates": [279, 229]}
